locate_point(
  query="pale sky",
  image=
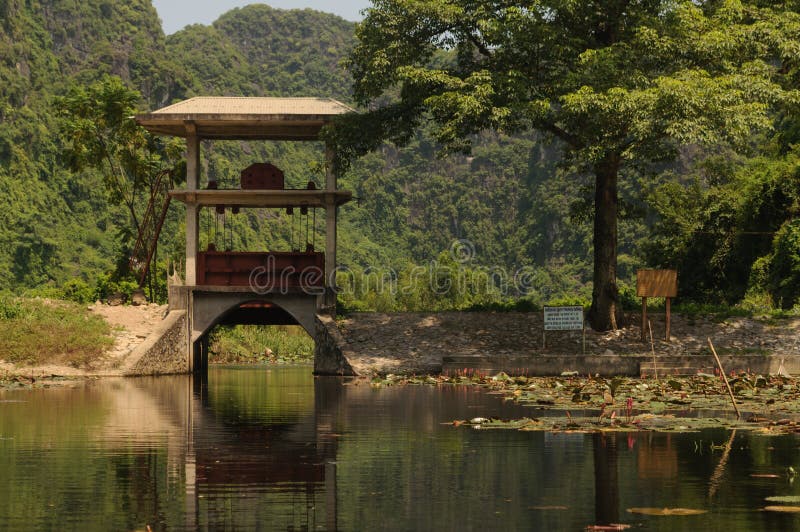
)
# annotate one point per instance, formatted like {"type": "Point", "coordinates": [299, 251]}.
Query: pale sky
{"type": "Point", "coordinates": [175, 14]}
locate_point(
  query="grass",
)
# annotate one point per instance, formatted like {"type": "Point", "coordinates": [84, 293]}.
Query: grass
{"type": "Point", "coordinates": [248, 344]}
{"type": "Point", "coordinates": [38, 331]}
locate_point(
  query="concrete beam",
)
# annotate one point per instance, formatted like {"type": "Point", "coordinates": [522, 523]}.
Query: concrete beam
{"type": "Point", "coordinates": [330, 233]}
{"type": "Point", "coordinates": [192, 209]}
{"type": "Point", "coordinates": [263, 198]}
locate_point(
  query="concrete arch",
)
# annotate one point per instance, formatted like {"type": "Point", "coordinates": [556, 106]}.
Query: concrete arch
{"type": "Point", "coordinates": [210, 308]}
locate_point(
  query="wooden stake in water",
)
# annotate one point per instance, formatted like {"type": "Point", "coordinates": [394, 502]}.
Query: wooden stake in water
{"type": "Point", "coordinates": [653, 349]}
{"type": "Point", "coordinates": [725, 378]}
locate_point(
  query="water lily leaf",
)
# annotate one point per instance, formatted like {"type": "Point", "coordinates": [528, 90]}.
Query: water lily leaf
{"type": "Point", "coordinates": [785, 509]}
{"type": "Point", "coordinates": [784, 498]}
{"type": "Point", "coordinates": [666, 511]}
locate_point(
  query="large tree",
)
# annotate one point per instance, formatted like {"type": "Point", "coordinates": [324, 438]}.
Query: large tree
{"type": "Point", "coordinates": [98, 121]}
{"type": "Point", "coordinates": [615, 82]}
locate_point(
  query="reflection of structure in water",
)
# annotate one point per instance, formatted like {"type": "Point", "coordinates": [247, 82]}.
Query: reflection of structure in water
{"type": "Point", "coordinates": [243, 466]}
{"type": "Point", "coordinates": [657, 458]}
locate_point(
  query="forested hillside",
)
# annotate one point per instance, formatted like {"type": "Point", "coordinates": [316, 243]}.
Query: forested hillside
{"type": "Point", "coordinates": [727, 222]}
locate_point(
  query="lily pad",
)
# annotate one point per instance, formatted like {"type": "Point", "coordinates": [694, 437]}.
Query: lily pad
{"type": "Point", "coordinates": [784, 509]}
{"type": "Point", "coordinates": [784, 498]}
{"type": "Point", "coordinates": [666, 511]}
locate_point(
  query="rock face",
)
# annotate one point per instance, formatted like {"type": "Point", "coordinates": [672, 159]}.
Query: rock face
{"type": "Point", "coordinates": [138, 298]}
{"type": "Point", "coordinates": [418, 342]}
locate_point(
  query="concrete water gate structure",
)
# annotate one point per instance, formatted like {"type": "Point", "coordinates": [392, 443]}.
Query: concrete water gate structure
{"type": "Point", "coordinates": [245, 287]}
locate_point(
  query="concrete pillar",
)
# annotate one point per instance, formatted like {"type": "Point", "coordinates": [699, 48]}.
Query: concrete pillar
{"type": "Point", "coordinates": [330, 231]}
{"type": "Point", "coordinates": [192, 209]}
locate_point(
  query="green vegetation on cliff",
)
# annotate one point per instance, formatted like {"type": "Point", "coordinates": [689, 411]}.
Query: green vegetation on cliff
{"type": "Point", "coordinates": [727, 222]}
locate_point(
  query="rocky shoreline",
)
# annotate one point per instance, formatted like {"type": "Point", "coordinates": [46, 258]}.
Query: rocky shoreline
{"type": "Point", "coordinates": [406, 343]}
{"type": "Point", "coordinates": [417, 343]}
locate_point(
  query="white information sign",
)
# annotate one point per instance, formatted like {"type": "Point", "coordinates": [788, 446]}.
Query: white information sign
{"type": "Point", "coordinates": [563, 318]}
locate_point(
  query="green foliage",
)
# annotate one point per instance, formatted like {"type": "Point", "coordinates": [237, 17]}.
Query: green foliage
{"type": "Point", "coordinates": [616, 86]}
{"type": "Point", "coordinates": [109, 284]}
{"type": "Point", "coordinates": [716, 312]}
{"type": "Point", "coordinates": [719, 227]}
{"type": "Point", "coordinates": [783, 280]}
{"type": "Point", "coordinates": [252, 343]}
{"type": "Point", "coordinates": [72, 73]}
{"type": "Point", "coordinates": [35, 331]}
{"type": "Point", "coordinates": [98, 120]}
{"type": "Point", "coordinates": [79, 291]}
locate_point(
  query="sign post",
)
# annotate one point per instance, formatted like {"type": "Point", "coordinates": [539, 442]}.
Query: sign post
{"type": "Point", "coordinates": [564, 319]}
{"type": "Point", "coordinates": [656, 283]}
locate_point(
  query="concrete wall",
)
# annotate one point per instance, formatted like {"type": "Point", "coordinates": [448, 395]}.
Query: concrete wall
{"type": "Point", "coordinates": [330, 349]}
{"type": "Point", "coordinates": [164, 351]}
{"type": "Point", "coordinates": [628, 365]}
{"type": "Point", "coordinates": [208, 307]}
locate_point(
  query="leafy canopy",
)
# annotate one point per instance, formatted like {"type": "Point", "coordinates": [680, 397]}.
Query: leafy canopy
{"type": "Point", "coordinates": [98, 120]}
{"type": "Point", "coordinates": [632, 78]}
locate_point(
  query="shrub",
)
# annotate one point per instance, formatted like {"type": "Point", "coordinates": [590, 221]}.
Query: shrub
{"type": "Point", "coordinates": [784, 267]}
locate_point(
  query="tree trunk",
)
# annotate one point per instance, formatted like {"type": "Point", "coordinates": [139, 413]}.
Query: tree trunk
{"type": "Point", "coordinates": [606, 312]}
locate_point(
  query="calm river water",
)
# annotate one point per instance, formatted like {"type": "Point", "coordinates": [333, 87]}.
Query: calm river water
{"type": "Point", "coordinates": [276, 449]}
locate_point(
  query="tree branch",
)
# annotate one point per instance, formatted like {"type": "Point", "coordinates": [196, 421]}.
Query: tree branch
{"type": "Point", "coordinates": [482, 48]}
{"type": "Point", "coordinates": [567, 137]}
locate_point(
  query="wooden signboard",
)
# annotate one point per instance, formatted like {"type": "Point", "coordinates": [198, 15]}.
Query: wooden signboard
{"type": "Point", "coordinates": [563, 319]}
{"type": "Point", "coordinates": [656, 283]}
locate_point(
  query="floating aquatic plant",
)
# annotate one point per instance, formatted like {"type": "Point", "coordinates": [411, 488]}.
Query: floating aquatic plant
{"type": "Point", "coordinates": [667, 511]}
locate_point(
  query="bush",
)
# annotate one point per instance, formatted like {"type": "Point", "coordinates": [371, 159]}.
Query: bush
{"type": "Point", "coordinates": [784, 266]}
{"type": "Point", "coordinates": [10, 307]}
{"type": "Point", "coordinates": [248, 344]}
{"type": "Point", "coordinates": [77, 290]}
{"type": "Point", "coordinates": [51, 332]}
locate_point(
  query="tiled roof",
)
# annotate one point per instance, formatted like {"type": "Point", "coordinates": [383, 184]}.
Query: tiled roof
{"type": "Point", "coordinates": [222, 105]}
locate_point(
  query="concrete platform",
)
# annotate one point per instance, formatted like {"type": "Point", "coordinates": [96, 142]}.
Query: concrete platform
{"type": "Point", "coordinates": [611, 365]}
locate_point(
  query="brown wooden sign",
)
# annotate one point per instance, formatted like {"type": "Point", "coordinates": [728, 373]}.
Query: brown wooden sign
{"type": "Point", "coordinates": [657, 283]}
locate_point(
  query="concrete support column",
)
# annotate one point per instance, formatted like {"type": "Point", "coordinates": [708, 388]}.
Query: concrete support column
{"type": "Point", "coordinates": [192, 209]}
{"type": "Point", "coordinates": [330, 232]}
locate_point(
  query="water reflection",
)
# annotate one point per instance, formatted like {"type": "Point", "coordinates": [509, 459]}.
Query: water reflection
{"type": "Point", "coordinates": [276, 449]}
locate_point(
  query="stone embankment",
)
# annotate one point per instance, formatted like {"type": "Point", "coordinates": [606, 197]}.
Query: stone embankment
{"type": "Point", "coordinates": [146, 342]}
{"type": "Point", "coordinates": [512, 342]}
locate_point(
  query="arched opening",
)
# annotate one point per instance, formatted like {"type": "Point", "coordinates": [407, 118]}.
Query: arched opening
{"type": "Point", "coordinates": [254, 331]}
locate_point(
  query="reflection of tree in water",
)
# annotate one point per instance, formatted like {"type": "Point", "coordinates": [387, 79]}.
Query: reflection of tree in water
{"type": "Point", "coordinates": [606, 481]}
